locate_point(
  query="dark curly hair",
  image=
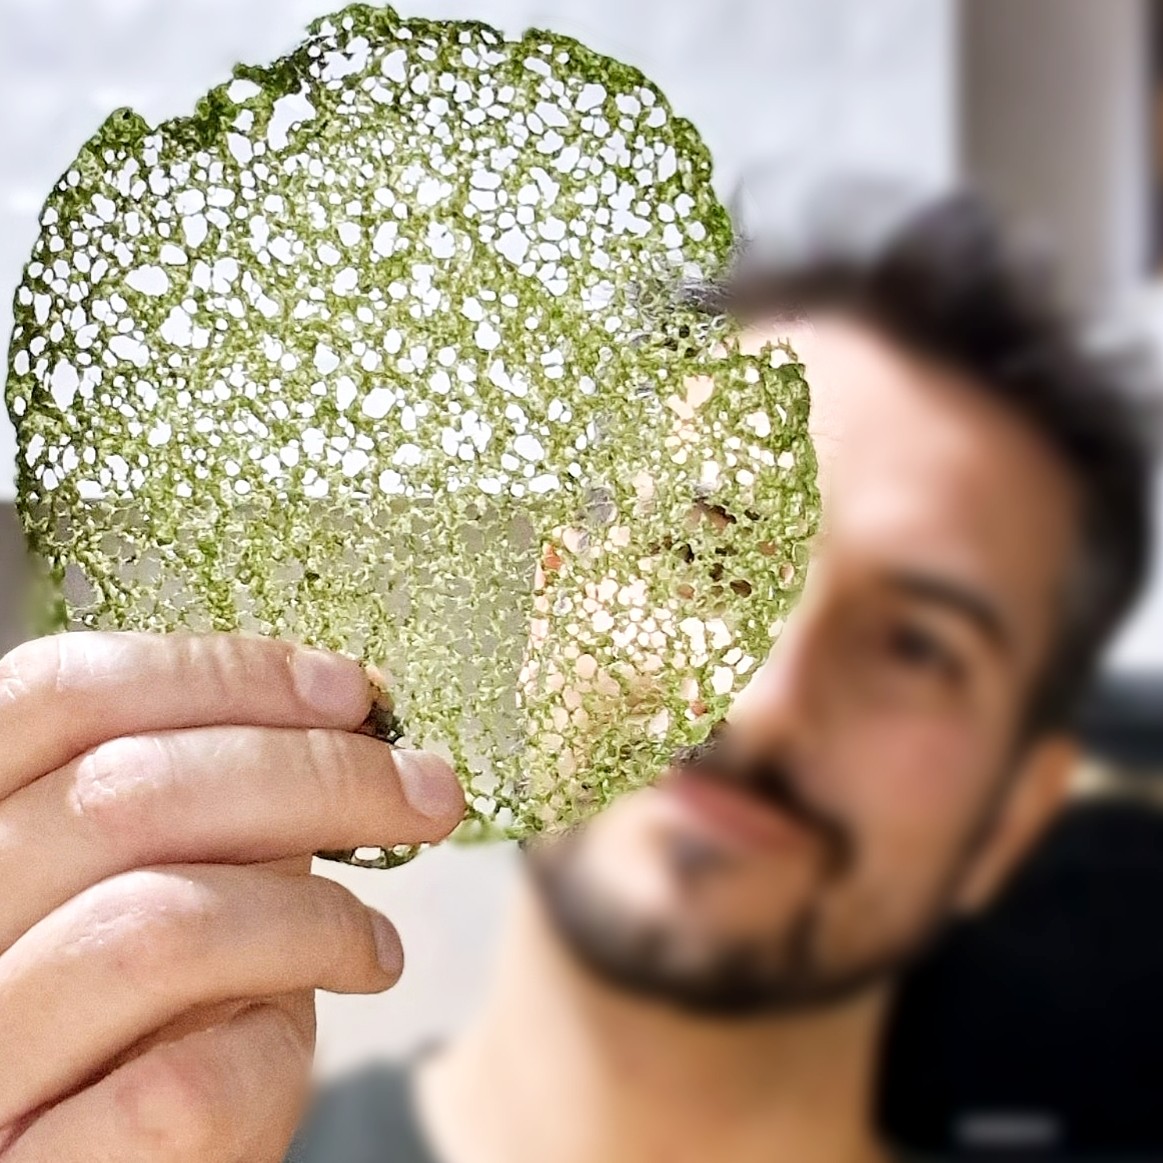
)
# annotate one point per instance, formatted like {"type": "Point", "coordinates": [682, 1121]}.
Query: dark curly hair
{"type": "Point", "coordinates": [949, 282]}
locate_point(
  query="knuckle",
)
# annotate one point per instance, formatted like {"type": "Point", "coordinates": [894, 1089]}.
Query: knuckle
{"type": "Point", "coordinates": [117, 785]}
{"type": "Point", "coordinates": [207, 660]}
{"type": "Point", "coordinates": [156, 927]}
{"type": "Point", "coordinates": [342, 923]}
{"type": "Point", "coordinates": [331, 769]}
{"type": "Point", "coordinates": [173, 1110]}
{"type": "Point", "coordinates": [226, 665]}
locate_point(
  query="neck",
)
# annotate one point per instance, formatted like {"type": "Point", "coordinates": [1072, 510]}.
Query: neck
{"type": "Point", "coordinates": [560, 1068]}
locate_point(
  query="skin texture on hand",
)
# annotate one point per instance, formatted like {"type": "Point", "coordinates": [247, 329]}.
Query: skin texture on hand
{"type": "Point", "coordinates": [160, 935]}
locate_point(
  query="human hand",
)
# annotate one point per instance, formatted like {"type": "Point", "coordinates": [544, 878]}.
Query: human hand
{"type": "Point", "coordinates": [160, 937]}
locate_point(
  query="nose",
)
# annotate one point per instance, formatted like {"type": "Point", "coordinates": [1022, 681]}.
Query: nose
{"type": "Point", "coordinates": [778, 707]}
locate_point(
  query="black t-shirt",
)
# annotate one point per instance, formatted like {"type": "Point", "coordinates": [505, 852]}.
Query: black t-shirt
{"type": "Point", "coordinates": [368, 1117]}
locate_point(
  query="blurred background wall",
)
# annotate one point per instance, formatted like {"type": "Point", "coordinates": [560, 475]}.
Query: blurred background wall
{"type": "Point", "coordinates": [1042, 102]}
{"type": "Point", "coordinates": [1054, 125]}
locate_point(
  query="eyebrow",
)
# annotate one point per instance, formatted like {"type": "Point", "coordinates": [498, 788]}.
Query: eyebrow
{"type": "Point", "coordinates": [969, 603]}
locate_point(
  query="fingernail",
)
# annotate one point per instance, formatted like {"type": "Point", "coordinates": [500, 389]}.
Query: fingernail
{"type": "Point", "coordinates": [389, 951]}
{"type": "Point", "coordinates": [429, 784]}
{"type": "Point", "coordinates": [331, 684]}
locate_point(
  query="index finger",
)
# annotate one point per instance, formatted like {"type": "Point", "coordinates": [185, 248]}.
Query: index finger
{"type": "Point", "coordinates": [62, 695]}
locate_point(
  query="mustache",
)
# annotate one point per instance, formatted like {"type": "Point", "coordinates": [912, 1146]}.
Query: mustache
{"type": "Point", "coordinates": [770, 779]}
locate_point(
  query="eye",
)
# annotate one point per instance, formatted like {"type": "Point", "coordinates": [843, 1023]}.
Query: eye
{"type": "Point", "coordinates": [919, 649]}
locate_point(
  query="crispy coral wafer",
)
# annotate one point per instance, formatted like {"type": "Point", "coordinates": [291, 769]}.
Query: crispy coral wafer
{"type": "Point", "coordinates": [384, 349]}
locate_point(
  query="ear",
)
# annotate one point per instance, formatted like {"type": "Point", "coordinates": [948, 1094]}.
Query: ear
{"type": "Point", "coordinates": [1035, 794]}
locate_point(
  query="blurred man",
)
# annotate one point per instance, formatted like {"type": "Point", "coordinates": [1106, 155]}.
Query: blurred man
{"type": "Point", "coordinates": [700, 973]}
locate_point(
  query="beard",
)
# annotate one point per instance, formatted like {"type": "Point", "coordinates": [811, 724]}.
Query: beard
{"type": "Point", "coordinates": [781, 971]}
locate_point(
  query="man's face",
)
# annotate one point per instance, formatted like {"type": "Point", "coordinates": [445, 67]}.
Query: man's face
{"type": "Point", "coordinates": [845, 803]}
